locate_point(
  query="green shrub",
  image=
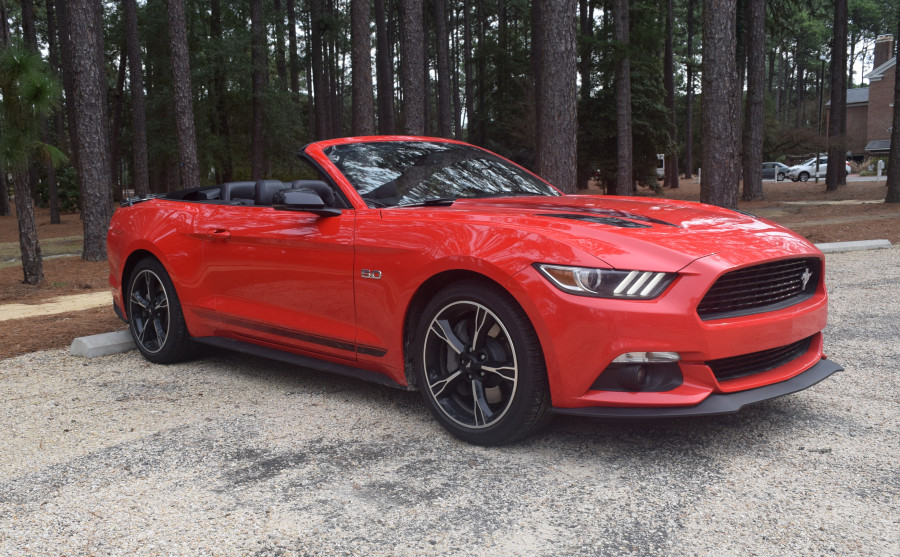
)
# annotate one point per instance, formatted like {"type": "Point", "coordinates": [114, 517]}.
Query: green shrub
{"type": "Point", "coordinates": [66, 188]}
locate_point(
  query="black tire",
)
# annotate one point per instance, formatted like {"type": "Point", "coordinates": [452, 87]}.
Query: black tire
{"type": "Point", "coordinates": [781, 176]}
{"type": "Point", "coordinates": [804, 176]}
{"type": "Point", "coordinates": [154, 314]}
{"type": "Point", "coordinates": [479, 365]}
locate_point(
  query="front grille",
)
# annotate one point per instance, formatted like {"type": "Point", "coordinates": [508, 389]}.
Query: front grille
{"type": "Point", "coordinates": [761, 288]}
{"type": "Point", "coordinates": [726, 369]}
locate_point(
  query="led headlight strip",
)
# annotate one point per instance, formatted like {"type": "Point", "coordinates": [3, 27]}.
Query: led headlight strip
{"type": "Point", "coordinates": [606, 283]}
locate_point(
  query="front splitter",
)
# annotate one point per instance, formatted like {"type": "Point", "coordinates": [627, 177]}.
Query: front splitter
{"type": "Point", "coordinates": [718, 403]}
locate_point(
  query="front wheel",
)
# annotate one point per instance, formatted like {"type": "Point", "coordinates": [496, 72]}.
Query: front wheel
{"type": "Point", "coordinates": [154, 314]}
{"type": "Point", "coordinates": [479, 365]}
{"type": "Point", "coordinates": [781, 176]}
{"type": "Point", "coordinates": [804, 176]}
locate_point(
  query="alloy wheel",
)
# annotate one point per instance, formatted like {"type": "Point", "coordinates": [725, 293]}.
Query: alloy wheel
{"type": "Point", "coordinates": [148, 310]}
{"type": "Point", "coordinates": [470, 364]}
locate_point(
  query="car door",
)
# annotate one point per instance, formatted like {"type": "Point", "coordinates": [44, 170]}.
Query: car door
{"type": "Point", "coordinates": [282, 278]}
{"type": "Point", "coordinates": [768, 171]}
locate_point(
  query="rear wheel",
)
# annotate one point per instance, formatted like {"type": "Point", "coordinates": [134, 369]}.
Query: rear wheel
{"type": "Point", "coordinates": [479, 365]}
{"type": "Point", "coordinates": [154, 314]}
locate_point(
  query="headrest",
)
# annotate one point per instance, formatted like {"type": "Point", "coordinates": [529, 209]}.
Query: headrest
{"type": "Point", "coordinates": [265, 189]}
{"type": "Point", "coordinates": [318, 186]}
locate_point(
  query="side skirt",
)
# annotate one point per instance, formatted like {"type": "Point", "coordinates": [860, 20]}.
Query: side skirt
{"type": "Point", "coordinates": [297, 359]}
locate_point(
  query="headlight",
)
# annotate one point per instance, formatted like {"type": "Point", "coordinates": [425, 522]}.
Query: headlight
{"type": "Point", "coordinates": [606, 283]}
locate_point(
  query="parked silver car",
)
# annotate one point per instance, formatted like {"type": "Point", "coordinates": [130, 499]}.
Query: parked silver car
{"type": "Point", "coordinates": [807, 169]}
{"type": "Point", "coordinates": [774, 171]}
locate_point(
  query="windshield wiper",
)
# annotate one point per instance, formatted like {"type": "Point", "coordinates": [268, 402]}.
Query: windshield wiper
{"type": "Point", "coordinates": [430, 202]}
{"type": "Point", "coordinates": [505, 194]}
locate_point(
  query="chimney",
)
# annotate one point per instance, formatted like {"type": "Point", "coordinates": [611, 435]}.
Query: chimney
{"type": "Point", "coordinates": [884, 49]}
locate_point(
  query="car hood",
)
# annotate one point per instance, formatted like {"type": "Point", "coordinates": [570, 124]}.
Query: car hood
{"type": "Point", "coordinates": [636, 233]}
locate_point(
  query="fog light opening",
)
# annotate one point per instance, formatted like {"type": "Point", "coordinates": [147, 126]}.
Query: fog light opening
{"type": "Point", "coordinates": [636, 378]}
{"type": "Point", "coordinates": [640, 376]}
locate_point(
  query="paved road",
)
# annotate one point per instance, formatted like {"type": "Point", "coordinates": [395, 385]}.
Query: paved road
{"type": "Point", "coordinates": [231, 455]}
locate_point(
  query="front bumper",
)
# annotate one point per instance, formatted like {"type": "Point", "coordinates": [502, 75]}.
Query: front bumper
{"type": "Point", "coordinates": [716, 403]}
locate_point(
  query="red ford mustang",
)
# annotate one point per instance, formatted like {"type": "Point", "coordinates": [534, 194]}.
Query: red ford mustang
{"type": "Point", "coordinates": [434, 265]}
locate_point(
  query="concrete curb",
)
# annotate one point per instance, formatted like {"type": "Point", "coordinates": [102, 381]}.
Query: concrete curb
{"type": "Point", "coordinates": [103, 344]}
{"type": "Point", "coordinates": [121, 341]}
{"type": "Point", "coordinates": [838, 247]}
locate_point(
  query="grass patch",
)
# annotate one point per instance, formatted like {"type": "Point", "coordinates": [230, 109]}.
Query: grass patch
{"type": "Point", "coordinates": [10, 254]}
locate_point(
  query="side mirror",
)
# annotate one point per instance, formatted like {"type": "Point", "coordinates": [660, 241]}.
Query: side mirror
{"type": "Point", "coordinates": [302, 199]}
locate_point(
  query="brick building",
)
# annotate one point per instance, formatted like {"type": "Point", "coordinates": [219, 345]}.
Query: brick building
{"type": "Point", "coordinates": [870, 110]}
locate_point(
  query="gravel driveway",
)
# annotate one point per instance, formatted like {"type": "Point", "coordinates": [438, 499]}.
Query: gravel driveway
{"type": "Point", "coordinates": [231, 455]}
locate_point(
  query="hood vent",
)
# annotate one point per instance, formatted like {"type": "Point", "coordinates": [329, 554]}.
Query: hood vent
{"type": "Point", "coordinates": [619, 219]}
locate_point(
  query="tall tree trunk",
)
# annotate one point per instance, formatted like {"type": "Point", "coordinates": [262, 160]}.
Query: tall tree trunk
{"type": "Point", "coordinates": [336, 87]}
{"type": "Point", "coordinates": [311, 105]}
{"type": "Point", "coordinates": [586, 28]}
{"type": "Point", "coordinates": [181, 86]}
{"type": "Point", "coordinates": [293, 62]}
{"type": "Point", "coordinates": [786, 72]}
{"type": "Point", "coordinates": [454, 77]}
{"type": "Point", "coordinates": [30, 37]}
{"type": "Point", "coordinates": [280, 62]}
{"type": "Point", "coordinates": [4, 25]}
{"type": "Point", "coordinates": [556, 140]}
{"type": "Point", "coordinates": [258, 56]}
{"type": "Point", "coordinates": [624, 179]}
{"type": "Point", "coordinates": [91, 133]}
{"type": "Point", "coordinates": [317, 54]}
{"type": "Point", "coordinates": [4, 41]}
{"type": "Point", "coordinates": [479, 121]}
{"type": "Point", "coordinates": [753, 119]}
{"type": "Point", "coordinates": [836, 173]}
{"type": "Point", "coordinates": [671, 164]}
{"type": "Point", "coordinates": [363, 122]}
{"type": "Point", "coordinates": [468, 66]}
{"type": "Point", "coordinates": [59, 127]}
{"type": "Point", "coordinates": [32, 264]}
{"type": "Point", "coordinates": [689, 97]}
{"type": "Point", "coordinates": [721, 106]}
{"type": "Point", "coordinates": [801, 92]}
{"type": "Point", "coordinates": [116, 127]}
{"type": "Point", "coordinates": [68, 74]}
{"type": "Point", "coordinates": [442, 36]}
{"type": "Point", "coordinates": [384, 71]}
{"type": "Point", "coordinates": [770, 74]}
{"type": "Point", "coordinates": [412, 58]}
{"type": "Point", "coordinates": [53, 59]}
{"type": "Point", "coordinates": [5, 210]}
{"type": "Point", "coordinates": [225, 171]}
{"type": "Point", "coordinates": [140, 169]}
{"type": "Point", "coordinates": [893, 167]}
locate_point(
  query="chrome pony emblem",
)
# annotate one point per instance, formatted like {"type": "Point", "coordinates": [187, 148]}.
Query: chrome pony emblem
{"type": "Point", "coordinates": [804, 278]}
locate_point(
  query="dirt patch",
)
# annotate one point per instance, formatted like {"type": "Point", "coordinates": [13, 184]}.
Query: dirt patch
{"type": "Point", "coordinates": [853, 212]}
{"type": "Point", "coordinates": [70, 225]}
{"type": "Point", "coordinates": [46, 332]}
{"type": "Point", "coordinates": [62, 276]}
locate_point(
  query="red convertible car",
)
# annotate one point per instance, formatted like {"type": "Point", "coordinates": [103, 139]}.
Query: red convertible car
{"type": "Point", "coordinates": [434, 265]}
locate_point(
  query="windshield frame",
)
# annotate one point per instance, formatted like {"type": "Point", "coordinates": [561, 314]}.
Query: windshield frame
{"type": "Point", "coordinates": [417, 171]}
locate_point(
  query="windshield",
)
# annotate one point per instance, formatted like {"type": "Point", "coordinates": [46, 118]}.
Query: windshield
{"type": "Point", "coordinates": [397, 173]}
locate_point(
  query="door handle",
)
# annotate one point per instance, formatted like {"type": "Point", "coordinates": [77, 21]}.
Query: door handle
{"type": "Point", "coordinates": [216, 234]}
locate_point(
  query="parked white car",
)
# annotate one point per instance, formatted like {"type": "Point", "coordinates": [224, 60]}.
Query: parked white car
{"type": "Point", "coordinates": [807, 169]}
